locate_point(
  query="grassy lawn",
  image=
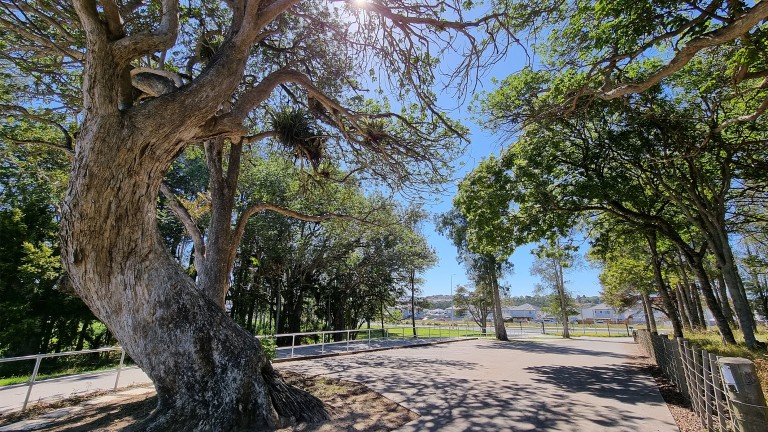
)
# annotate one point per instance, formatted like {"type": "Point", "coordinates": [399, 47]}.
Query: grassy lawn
{"type": "Point", "coordinates": [711, 341]}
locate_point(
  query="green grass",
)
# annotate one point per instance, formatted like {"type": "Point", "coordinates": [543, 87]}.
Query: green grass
{"type": "Point", "coordinates": [712, 342]}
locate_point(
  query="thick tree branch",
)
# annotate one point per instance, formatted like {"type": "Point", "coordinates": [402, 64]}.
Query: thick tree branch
{"type": "Point", "coordinates": [232, 121]}
{"type": "Point", "coordinates": [250, 139]}
{"type": "Point", "coordinates": [260, 207]}
{"type": "Point", "coordinates": [705, 15]}
{"type": "Point", "coordinates": [259, 93]}
{"type": "Point", "coordinates": [114, 20]}
{"type": "Point", "coordinates": [268, 14]}
{"type": "Point", "coordinates": [89, 19]}
{"type": "Point", "coordinates": [69, 152]}
{"type": "Point", "coordinates": [21, 111]}
{"type": "Point", "coordinates": [186, 219]}
{"type": "Point", "coordinates": [738, 27]}
{"type": "Point", "coordinates": [173, 76]}
{"type": "Point", "coordinates": [137, 45]}
{"type": "Point", "coordinates": [747, 117]}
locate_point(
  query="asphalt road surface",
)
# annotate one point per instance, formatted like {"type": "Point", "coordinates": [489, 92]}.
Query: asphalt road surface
{"type": "Point", "coordinates": [584, 384]}
{"type": "Point", "coordinates": [484, 385]}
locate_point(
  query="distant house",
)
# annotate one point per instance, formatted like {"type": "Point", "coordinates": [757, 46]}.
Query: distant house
{"type": "Point", "coordinates": [599, 313]}
{"type": "Point", "coordinates": [418, 312]}
{"type": "Point", "coordinates": [603, 312]}
{"type": "Point", "coordinates": [523, 313]}
{"type": "Point", "coordinates": [437, 314]}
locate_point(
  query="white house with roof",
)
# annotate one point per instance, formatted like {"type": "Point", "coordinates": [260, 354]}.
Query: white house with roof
{"type": "Point", "coordinates": [524, 312]}
{"type": "Point", "coordinates": [602, 313]}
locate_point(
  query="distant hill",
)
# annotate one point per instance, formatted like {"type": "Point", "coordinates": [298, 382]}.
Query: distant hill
{"type": "Point", "coordinates": [540, 301]}
{"type": "Point", "coordinates": [439, 301]}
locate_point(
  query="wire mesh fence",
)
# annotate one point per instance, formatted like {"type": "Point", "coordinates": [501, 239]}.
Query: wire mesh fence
{"type": "Point", "coordinates": [696, 374]}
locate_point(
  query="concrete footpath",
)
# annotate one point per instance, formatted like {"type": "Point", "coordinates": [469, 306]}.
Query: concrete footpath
{"type": "Point", "coordinates": [584, 384]}
{"type": "Point", "coordinates": [12, 397]}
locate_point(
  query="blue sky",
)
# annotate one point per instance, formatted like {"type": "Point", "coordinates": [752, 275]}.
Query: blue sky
{"type": "Point", "coordinates": [437, 280]}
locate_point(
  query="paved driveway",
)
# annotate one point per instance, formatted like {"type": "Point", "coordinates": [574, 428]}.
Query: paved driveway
{"type": "Point", "coordinates": [480, 385]}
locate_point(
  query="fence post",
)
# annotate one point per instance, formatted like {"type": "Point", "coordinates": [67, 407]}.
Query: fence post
{"type": "Point", "coordinates": [698, 377]}
{"type": "Point", "coordinates": [693, 379]}
{"type": "Point", "coordinates": [322, 342]}
{"type": "Point", "coordinates": [682, 372]}
{"type": "Point", "coordinates": [706, 372]}
{"type": "Point", "coordinates": [293, 344]}
{"type": "Point", "coordinates": [719, 396]}
{"type": "Point", "coordinates": [32, 380]}
{"type": "Point", "coordinates": [745, 396]}
{"type": "Point", "coordinates": [119, 368]}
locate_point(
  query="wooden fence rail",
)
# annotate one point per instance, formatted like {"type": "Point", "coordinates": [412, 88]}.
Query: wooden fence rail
{"type": "Point", "coordinates": [697, 376]}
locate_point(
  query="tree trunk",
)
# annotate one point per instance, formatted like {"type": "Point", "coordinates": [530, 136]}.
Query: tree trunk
{"type": "Point", "coordinates": [689, 322]}
{"type": "Point", "coordinates": [694, 260]}
{"type": "Point", "coordinates": [696, 300]}
{"type": "Point", "coordinates": [220, 243]}
{"type": "Point", "coordinates": [690, 301]}
{"type": "Point", "coordinates": [82, 335]}
{"type": "Point", "coordinates": [661, 286]}
{"type": "Point", "coordinates": [498, 319]}
{"type": "Point", "coordinates": [688, 296]}
{"type": "Point", "coordinates": [712, 304]}
{"type": "Point", "coordinates": [735, 288]}
{"type": "Point", "coordinates": [722, 294]}
{"type": "Point", "coordinates": [209, 373]}
{"type": "Point", "coordinates": [413, 300]}
{"type": "Point", "coordinates": [650, 319]}
{"type": "Point", "coordinates": [563, 299]}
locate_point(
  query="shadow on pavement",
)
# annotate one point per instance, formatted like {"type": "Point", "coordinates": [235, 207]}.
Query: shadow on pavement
{"type": "Point", "coordinates": [462, 395]}
{"type": "Point", "coordinates": [619, 382]}
{"type": "Point", "coordinates": [548, 348]}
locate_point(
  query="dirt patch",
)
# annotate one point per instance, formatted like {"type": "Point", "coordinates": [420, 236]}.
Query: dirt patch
{"type": "Point", "coordinates": [352, 407]}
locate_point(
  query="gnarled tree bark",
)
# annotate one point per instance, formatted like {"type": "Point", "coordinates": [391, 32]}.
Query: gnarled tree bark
{"type": "Point", "coordinates": [209, 373]}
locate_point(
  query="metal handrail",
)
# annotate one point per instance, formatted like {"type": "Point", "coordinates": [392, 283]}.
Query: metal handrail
{"type": "Point", "coordinates": [455, 327]}
{"type": "Point", "coordinates": [59, 354]}
{"type": "Point", "coordinates": [39, 357]}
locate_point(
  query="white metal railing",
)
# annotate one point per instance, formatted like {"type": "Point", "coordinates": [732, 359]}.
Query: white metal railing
{"type": "Point", "coordinates": [405, 331]}
{"type": "Point", "coordinates": [388, 333]}
{"type": "Point", "coordinates": [39, 357]}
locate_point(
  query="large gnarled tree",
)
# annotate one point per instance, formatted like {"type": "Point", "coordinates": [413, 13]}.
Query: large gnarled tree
{"type": "Point", "coordinates": [139, 81]}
